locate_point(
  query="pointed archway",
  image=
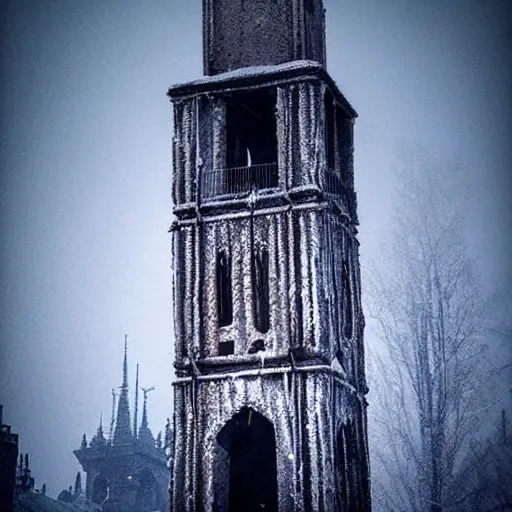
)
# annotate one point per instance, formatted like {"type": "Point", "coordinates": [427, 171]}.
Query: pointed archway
{"type": "Point", "coordinates": [246, 476]}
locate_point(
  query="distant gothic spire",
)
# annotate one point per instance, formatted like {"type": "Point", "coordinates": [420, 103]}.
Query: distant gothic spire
{"type": "Point", "coordinates": [122, 432]}
{"type": "Point", "coordinates": [145, 434]}
{"type": "Point", "coordinates": [136, 408]}
{"type": "Point", "coordinates": [99, 438]}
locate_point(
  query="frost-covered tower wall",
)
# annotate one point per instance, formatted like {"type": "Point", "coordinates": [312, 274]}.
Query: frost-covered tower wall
{"type": "Point", "coordinates": [270, 405]}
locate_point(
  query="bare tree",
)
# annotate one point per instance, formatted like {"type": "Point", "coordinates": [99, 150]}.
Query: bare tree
{"type": "Point", "coordinates": [425, 374]}
{"type": "Point", "coordinates": [485, 475]}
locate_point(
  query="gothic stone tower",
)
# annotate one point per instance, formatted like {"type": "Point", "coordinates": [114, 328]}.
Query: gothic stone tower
{"type": "Point", "coordinates": [127, 473]}
{"type": "Point", "coordinates": [270, 409]}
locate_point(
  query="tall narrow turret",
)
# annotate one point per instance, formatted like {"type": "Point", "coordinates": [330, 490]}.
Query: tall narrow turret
{"type": "Point", "coordinates": [145, 434]}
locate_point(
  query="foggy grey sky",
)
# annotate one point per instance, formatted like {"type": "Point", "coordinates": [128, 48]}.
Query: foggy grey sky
{"type": "Point", "coordinates": [85, 182]}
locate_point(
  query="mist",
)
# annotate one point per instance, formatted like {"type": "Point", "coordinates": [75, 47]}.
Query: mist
{"type": "Point", "coordinates": [86, 175]}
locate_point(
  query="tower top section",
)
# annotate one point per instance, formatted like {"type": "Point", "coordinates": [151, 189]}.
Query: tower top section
{"type": "Point", "coordinates": [241, 33]}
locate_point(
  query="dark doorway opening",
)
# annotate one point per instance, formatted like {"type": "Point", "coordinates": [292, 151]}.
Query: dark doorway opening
{"type": "Point", "coordinates": [251, 141]}
{"type": "Point", "coordinates": [248, 482]}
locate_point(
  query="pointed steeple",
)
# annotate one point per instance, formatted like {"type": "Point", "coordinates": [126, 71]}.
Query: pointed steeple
{"type": "Point", "coordinates": [99, 438]}
{"type": "Point", "coordinates": [123, 432]}
{"type": "Point", "coordinates": [136, 402]}
{"type": "Point", "coordinates": [145, 434]}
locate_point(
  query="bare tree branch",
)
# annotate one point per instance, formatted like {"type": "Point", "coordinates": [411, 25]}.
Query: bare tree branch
{"type": "Point", "coordinates": [427, 310]}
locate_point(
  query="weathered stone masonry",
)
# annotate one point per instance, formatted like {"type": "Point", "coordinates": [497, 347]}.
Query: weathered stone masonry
{"type": "Point", "coordinates": [268, 319]}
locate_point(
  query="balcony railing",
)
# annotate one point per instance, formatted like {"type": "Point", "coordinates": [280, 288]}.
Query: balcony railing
{"type": "Point", "coordinates": [333, 183]}
{"type": "Point", "coordinates": [238, 180]}
{"type": "Point", "coordinates": [338, 189]}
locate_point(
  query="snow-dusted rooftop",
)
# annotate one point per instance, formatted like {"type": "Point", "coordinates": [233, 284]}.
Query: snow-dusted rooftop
{"type": "Point", "coordinates": [258, 75]}
{"type": "Point", "coordinates": [252, 71]}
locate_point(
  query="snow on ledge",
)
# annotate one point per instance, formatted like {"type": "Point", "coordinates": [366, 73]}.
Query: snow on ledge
{"type": "Point", "coordinates": [251, 71]}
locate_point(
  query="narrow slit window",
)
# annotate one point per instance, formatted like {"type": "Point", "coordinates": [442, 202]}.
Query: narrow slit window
{"type": "Point", "coordinates": [261, 291]}
{"type": "Point", "coordinates": [224, 296]}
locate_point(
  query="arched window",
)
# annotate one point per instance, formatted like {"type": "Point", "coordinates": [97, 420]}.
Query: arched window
{"type": "Point", "coordinates": [261, 291]}
{"type": "Point", "coordinates": [224, 296]}
{"type": "Point", "coordinates": [347, 303]}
